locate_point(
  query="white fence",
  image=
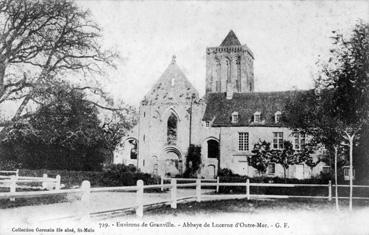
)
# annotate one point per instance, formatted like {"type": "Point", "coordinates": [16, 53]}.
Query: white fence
{"type": "Point", "coordinates": [13, 181]}
{"type": "Point", "coordinates": [179, 180]}
{"type": "Point", "coordinates": [16, 173]}
{"type": "Point", "coordinates": [85, 191]}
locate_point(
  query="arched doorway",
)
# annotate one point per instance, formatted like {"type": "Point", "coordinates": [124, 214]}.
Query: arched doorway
{"type": "Point", "coordinates": [133, 148]}
{"type": "Point", "coordinates": [213, 149]}
{"type": "Point", "coordinates": [172, 161]}
{"type": "Point", "coordinates": [212, 156]}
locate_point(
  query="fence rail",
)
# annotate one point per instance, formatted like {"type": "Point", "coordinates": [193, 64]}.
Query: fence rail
{"type": "Point", "coordinates": [85, 191]}
{"type": "Point", "coordinates": [14, 182]}
{"type": "Point", "coordinates": [16, 172]}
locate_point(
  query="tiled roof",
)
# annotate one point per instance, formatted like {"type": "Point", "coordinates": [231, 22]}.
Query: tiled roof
{"type": "Point", "coordinates": [219, 109]}
{"type": "Point", "coordinates": [230, 40]}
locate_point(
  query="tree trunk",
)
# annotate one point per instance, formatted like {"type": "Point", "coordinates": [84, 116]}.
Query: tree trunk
{"type": "Point", "coordinates": [351, 139]}
{"type": "Point", "coordinates": [2, 78]}
{"type": "Point", "coordinates": [335, 176]}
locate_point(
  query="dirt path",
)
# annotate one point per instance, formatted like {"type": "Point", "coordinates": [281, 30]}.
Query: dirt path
{"type": "Point", "coordinates": [101, 201]}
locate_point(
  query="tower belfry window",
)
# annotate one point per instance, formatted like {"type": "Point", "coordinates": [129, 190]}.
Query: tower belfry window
{"type": "Point", "coordinates": [228, 66]}
{"type": "Point", "coordinates": [218, 81]}
{"type": "Point", "coordinates": [238, 82]}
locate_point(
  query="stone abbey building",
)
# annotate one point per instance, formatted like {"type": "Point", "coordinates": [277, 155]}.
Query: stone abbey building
{"type": "Point", "coordinates": [226, 122]}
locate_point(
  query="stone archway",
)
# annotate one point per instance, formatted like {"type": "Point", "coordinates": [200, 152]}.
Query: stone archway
{"type": "Point", "coordinates": [211, 156]}
{"type": "Point", "coordinates": [172, 159]}
{"type": "Point", "coordinates": [130, 151]}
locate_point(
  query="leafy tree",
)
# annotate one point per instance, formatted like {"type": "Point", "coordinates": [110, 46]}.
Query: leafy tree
{"type": "Point", "coordinates": [285, 157]}
{"type": "Point", "coordinates": [263, 156]}
{"type": "Point", "coordinates": [337, 109]}
{"type": "Point", "coordinates": [193, 161]}
{"type": "Point", "coordinates": [65, 133]}
{"type": "Point", "coordinates": [115, 124]}
{"type": "Point", "coordinates": [41, 42]}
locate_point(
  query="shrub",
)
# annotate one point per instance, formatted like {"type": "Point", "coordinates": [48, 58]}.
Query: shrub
{"type": "Point", "coordinates": [193, 161]}
{"type": "Point", "coordinates": [226, 175]}
{"type": "Point", "coordinates": [112, 175]}
{"type": "Point", "coordinates": [9, 165]}
{"type": "Point", "coordinates": [122, 175]}
{"type": "Point", "coordinates": [226, 172]}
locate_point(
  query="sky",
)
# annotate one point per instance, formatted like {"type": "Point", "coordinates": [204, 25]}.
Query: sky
{"type": "Point", "coordinates": [286, 38]}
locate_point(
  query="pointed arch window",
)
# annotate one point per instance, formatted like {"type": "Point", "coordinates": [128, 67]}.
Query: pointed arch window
{"type": "Point", "coordinates": [172, 129]}
{"type": "Point", "coordinates": [133, 149]}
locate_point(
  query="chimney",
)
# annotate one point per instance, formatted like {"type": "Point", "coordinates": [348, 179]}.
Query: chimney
{"type": "Point", "coordinates": [229, 92]}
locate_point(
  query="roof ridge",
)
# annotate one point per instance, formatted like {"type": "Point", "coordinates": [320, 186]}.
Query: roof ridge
{"type": "Point", "coordinates": [230, 40]}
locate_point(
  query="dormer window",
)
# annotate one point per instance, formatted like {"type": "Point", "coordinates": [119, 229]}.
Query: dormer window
{"type": "Point", "coordinates": [257, 117]}
{"type": "Point", "coordinates": [235, 117]}
{"type": "Point", "coordinates": [207, 123]}
{"type": "Point", "coordinates": [277, 117]}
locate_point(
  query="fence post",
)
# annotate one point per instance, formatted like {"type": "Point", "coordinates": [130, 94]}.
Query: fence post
{"type": "Point", "coordinates": [57, 182]}
{"type": "Point", "coordinates": [17, 173]}
{"type": "Point", "coordinates": [85, 200]}
{"type": "Point", "coordinates": [330, 191]}
{"type": "Point", "coordinates": [217, 188]}
{"type": "Point", "coordinates": [162, 183]}
{"type": "Point", "coordinates": [198, 190]}
{"type": "Point", "coordinates": [13, 186]}
{"type": "Point", "coordinates": [139, 198]}
{"type": "Point", "coordinates": [44, 181]}
{"type": "Point", "coordinates": [173, 193]}
{"type": "Point", "coordinates": [248, 189]}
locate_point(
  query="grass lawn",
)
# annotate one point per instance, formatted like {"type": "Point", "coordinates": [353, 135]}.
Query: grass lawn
{"type": "Point", "coordinates": [6, 203]}
{"type": "Point", "coordinates": [252, 206]}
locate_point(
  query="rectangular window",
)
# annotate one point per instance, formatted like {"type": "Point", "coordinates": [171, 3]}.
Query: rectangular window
{"type": "Point", "coordinates": [296, 140]}
{"type": "Point", "coordinates": [277, 118]}
{"type": "Point", "coordinates": [346, 172]}
{"type": "Point", "coordinates": [299, 140]}
{"type": "Point", "coordinates": [243, 141]}
{"type": "Point", "coordinates": [235, 118]}
{"type": "Point", "coordinates": [271, 169]}
{"type": "Point", "coordinates": [326, 169]}
{"type": "Point", "coordinates": [277, 140]}
{"type": "Point", "coordinates": [207, 123]}
{"type": "Point", "coordinates": [257, 118]}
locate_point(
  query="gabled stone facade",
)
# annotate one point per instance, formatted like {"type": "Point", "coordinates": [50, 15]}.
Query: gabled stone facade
{"type": "Point", "coordinates": [226, 122]}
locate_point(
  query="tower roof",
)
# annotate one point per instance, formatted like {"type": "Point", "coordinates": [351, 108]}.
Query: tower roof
{"type": "Point", "coordinates": [230, 40]}
{"type": "Point", "coordinates": [172, 86]}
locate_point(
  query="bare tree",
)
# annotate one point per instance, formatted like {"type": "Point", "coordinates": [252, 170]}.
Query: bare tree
{"type": "Point", "coordinates": [41, 43]}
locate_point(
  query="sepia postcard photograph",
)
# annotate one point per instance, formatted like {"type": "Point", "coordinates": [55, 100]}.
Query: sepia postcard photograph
{"type": "Point", "coordinates": [184, 117]}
